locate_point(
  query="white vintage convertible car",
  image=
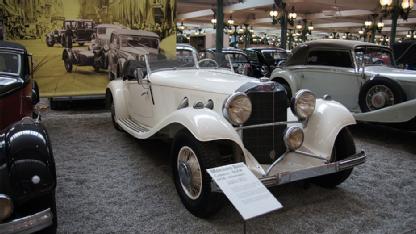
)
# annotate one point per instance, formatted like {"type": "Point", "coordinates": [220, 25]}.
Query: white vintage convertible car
{"type": "Point", "coordinates": [362, 76]}
{"type": "Point", "coordinates": [216, 117]}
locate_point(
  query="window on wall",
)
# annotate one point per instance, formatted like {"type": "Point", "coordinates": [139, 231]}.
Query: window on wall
{"type": "Point", "coordinates": [330, 58]}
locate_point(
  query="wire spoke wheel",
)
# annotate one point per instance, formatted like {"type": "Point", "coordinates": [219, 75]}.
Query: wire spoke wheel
{"type": "Point", "coordinates": [379, 96]}
{"type": "Point", "coordinates": [190, 174]}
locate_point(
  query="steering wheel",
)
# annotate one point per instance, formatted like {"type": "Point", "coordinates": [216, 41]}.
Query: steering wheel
{"type": "Point", "coordinates": [208, 63]}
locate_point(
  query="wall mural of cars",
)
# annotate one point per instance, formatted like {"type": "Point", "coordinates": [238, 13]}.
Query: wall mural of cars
{"type": "Point", "coordinates": [362, 76]}
{"type": "Point", "coordinates": [216, 117]}
{"type": "Point", "coordinates": [27, 166]}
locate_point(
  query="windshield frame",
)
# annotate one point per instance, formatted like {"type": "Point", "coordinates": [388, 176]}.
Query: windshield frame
{"type": "Point", "coordinates": [123, 37]}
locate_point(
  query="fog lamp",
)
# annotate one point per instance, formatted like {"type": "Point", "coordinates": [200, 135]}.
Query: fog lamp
{"type": "Point", "coordinates": [6, 207]}
{"type": "Point", "coordinates": [293, 138]}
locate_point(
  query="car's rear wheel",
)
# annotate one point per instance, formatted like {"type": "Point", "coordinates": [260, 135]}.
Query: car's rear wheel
{"type": "Point", "coordinates": [344, 146]}
{"type": "Point", "coordinates": [379, 93]}
{"type": "Point", "coordinates": [190, 159]}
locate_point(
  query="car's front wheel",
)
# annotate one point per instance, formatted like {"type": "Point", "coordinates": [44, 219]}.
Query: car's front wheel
{"type": "Point", "coordinates": [190, 159]}
{"type": "Point", "coordinates": [344, 146]}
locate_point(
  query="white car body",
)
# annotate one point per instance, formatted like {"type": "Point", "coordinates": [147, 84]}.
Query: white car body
{"type": "Point", "coordinates": [155, 106]}
{"type": "Point", "coordinates": [344, 84]}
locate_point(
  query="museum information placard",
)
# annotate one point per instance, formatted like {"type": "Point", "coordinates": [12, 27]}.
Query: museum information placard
{"type": "Point", "coordinates": [248, 195]}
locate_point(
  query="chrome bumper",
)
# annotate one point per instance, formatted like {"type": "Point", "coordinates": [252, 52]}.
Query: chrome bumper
{"type": "Point", "coordinates": [329, 168]}
{"type": "Point", "coordinates": [291, 176]}
{"type": "Point", "coordinates": [28, 224]}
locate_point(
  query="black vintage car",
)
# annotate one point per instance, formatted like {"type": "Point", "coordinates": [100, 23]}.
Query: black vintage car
{"type": "Point", "coordinates": [239, 60]}
{"type": "Point", "coordinates": [82, 31]}
{"type": "Point", "coordinates": [27, 166]}
{"type": "Point", "coordinates": [405, 54]}
{"type": "Point", "coordinates": [265, 60]}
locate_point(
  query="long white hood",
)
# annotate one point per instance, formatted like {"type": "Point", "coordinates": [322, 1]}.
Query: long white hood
{"type": "Point", "coordinates": [206, 80]}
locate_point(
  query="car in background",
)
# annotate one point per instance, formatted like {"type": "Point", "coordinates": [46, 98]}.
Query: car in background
{"type": "Point", "coordinates": [239, 60]}
{"type": "Point", "coordinates": [362, 76]}
{"type": "Point", "coordinates": [27, 166]}
{"type": "Point", "coordinates": [185, 52]}
{"type": "Point", "coordinates": [82, 31]}
{"type": "Point", "coordinates": [126, 44]}
{"type": "Point", "coordinates": [216, 117]}
{"type": "Point", "coordinates": [265, 59]}
{"type": "Point", "coordinates": [97, 53]}
{"type": "Point", "coordinates": [405, 54]}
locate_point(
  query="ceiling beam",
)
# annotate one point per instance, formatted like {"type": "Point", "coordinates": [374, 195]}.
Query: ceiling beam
{"type": "Point", "coordinates": [247, 4]}
{"type": "Point", "coordinates": [196, 14]}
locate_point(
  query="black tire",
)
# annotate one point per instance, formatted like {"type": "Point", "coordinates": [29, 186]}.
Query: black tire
{"type": "Point", "coordinates": [50, 42]}
{"type": "Point", "coordinates": [81, 44]}
{"type": "Point", "coordinates": [387, 84]}
{"type": "Point", "coordinates": [344, 146]}
{"type": "Point", "coordinates": [207, 203]}
{"type": "Point", "coordinates": [96, 67]}
{"type": "Point", "coordinates": [68, 65]}
{"type": "Point", "coordinates": [111, 76]}
{"type": "Point", "coordinates": [113, 114]}
{"type": "Point", "coordinates": [49, 201]}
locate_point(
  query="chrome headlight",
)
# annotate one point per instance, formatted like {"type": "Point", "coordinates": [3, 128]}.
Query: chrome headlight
{"type": "Point", "coordinates": [293, 138]}
{"type": "Point", "coordinates": [303, 104]}
{"type": "Point", "coordinates": [237, 108]}
{"type": "Point", "coordinates": [6, 207]}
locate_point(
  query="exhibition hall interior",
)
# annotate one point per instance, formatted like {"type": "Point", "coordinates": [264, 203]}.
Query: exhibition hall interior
{"type": "Point", "coordinates": [207, 116]}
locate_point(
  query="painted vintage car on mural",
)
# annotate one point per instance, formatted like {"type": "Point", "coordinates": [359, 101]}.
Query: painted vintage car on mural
{"type": "Point", "coordinates": [27, 167]}
{"type": "Point", "coordinates": [217, 117]}
{"type": "Point", "coordinates": [126, 44]}
{"type": "Point", "coordinates": [82, 31]}
{"type": "Point", "coordinates": [97, 53]}
{"type": "Point", "coordinates": [362, 76]}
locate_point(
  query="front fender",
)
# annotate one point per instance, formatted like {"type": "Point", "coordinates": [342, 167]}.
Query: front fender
{"type": "Point", "coordinates": [204, 124]}
{"type": "Point", "coordinates": [324, 125]}
{"type": "Point", "coordinates": [28, 154]}
{"type": "Point", "coordinates": [280, 74]}
{"type": "Point", "coordinates": [114, 93]}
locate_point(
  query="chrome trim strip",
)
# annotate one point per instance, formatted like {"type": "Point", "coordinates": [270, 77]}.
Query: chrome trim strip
{"type": "Point", "coordinates": [28, 224]}
{"type": "Point", "coordinates": [266, 125]}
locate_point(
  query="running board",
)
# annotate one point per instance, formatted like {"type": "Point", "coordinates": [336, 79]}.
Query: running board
{"type": "Point", "coordinates": [131, 124]}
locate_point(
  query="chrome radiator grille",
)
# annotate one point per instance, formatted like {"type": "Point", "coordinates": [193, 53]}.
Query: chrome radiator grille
{"type": "Point", "coordinates": [266, 143]}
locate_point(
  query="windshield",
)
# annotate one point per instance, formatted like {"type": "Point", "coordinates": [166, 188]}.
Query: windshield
{"type": "Point", "coordinates": [374, 56]}
{"type": "Point", "coordinates": [139, 41]}
{"type": "Point", "coordinates": [9, 63]}
{"type": "Point", "coordinates": [271, 56]}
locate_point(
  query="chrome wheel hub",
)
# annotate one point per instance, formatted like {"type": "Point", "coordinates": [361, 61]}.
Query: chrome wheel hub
{"type": "Point", "coordinates": [379, 96]}
{"type": "Point", "coordinates": [189, 171]}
